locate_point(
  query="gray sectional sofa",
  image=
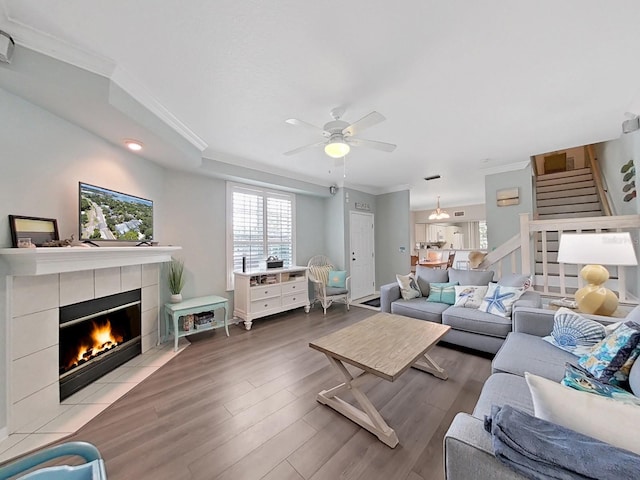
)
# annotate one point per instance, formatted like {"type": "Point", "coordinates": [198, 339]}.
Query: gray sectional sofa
{"type": "Point", "coordinates": [468, 447]}
{"type": "Point", "coordinates": [469, 327]}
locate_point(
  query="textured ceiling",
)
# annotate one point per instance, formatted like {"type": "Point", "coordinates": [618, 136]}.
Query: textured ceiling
{"type": "Point", "coordinates": [467, 87]}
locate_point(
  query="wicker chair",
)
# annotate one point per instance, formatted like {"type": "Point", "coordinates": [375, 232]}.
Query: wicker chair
{"type": "Point", "coordinates": [319, 267]}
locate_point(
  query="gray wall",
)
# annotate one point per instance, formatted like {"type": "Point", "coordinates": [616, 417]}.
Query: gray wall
{"type": "Point", "coordinates": [612, 155]}
{"type": "Point", "coordinates": [43, 158]}
{"type": "Point", "coordinates": [310, 227]}
{"type": "Point", "coordinates": [504, 222]}
{"type": "Point", "coordinates": [392, 232]}
{"type": "Point", "coordinates": [334, 224]}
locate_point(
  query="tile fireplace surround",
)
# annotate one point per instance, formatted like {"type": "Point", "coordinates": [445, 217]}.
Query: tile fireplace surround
{"type": "Point", "coordinates": [41, 280]}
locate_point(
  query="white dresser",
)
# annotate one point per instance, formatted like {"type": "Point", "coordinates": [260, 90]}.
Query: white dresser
{"type": "Point", "coordinates": [265, 292]}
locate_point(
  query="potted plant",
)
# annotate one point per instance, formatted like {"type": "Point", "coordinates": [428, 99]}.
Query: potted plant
{"type": "Point", "coordinates": [176, 279]}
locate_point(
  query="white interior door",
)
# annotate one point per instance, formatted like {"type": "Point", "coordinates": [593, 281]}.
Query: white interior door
{"type": "Point", "coordinates": [362, 254]}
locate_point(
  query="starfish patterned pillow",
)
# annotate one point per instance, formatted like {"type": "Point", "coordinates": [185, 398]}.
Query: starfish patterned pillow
{"type": "Point", "coordinates": [499, 300]}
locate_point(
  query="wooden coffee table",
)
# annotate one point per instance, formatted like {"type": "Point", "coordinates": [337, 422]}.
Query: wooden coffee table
{"type": "Point", "coordinates": [384, 346]}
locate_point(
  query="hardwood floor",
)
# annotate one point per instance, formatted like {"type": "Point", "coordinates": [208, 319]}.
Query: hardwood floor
{"type": "Point", "coordinates": [244, 407]}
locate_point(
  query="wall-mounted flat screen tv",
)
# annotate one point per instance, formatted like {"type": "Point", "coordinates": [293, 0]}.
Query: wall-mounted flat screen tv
{"type": "Point", "coordinates": [109, 215]}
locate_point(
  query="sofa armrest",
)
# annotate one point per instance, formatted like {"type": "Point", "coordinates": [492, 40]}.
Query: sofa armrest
{"type": "Point", "coordinates": [530, 299]}
{"type": "Point", "coordinates": [468, 452]}
{"type": "Point", "coordinates": [388, 293]}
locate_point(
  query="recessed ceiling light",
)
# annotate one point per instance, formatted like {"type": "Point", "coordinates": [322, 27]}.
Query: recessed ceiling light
{"type": "Point", "coordinates": [134, 145]}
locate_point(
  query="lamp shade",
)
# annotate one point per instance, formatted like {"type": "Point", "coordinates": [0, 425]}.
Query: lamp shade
{"type": "Point", "coordinates": [597, 248]}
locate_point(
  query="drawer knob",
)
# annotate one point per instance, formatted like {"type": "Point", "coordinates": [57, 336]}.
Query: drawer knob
{"type": "Point", "coordinates": [294, 299]}
{"type": "Point", "coordinates": [266, 304]}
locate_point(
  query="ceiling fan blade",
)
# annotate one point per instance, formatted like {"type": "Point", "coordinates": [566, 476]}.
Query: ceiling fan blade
{"type": "Point", "coordinates": [365, 122]}
{"type": "Point", "coordinates": [302, 149]}
{"type": "Point", "coordinates": [309, 126]}
{"type": "Point", "coordinates": [361, 142]}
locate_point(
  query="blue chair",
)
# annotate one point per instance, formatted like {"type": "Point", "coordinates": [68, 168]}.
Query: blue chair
{"type": "Point", "coordinates": [93, 469]}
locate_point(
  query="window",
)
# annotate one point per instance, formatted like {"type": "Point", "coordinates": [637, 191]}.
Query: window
{"type": "Point", "coordinates": [482, 228]}
{"type": "Point", "coordinates": [260, 223]}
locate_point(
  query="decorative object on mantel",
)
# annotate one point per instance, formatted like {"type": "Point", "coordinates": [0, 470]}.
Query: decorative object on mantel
{"type": "Point", "coordinates": [176, 279]}
{"type": "Point", "coordinates": [32, 230]}
{"type": "Point", "coordinates": [67, 242]}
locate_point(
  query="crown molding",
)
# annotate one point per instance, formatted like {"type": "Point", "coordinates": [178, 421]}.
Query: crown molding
{"type": "Point", "coordinates": [509, 167]}
{"type": "Point", "coordinates": [64, 51]}
{"type": "Point", "coordinates": [137, 90]}
{"type": "Point", "coordinates": [54, 47]}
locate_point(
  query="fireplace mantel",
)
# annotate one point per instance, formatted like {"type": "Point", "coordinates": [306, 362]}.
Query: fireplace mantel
{"type": "Point", "coordinates": [49, 260]}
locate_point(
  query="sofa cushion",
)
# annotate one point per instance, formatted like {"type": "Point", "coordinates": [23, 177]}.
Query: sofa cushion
{"type": "Point", "coordinates": [336, 291]}
{"type": "Point", "coordinates": [470, 296]}
{"type": "Point", "coordinates": [579, 379]}
{"type": "Point", "coordinates": [442, 293]}
{"type": "Point", "coordinates": [612, 358]}
{"type": "Point", "coordinates": [598, 417]}
{"type": "Point", "coordinates": [470, 277]}
{"type": "Point", "coordinates": [499, 300]}
{"type": "Point", "coordinates": [517, 280]}
{"type": "Point", "coordinates": [501, 389]}
{"type": "Point", "coordinates": [408, 287]}
{"type": "Point", "coordinates": [574, 333]}
{"type": "Point", "coordinates": [419, 308]}
{"type": "Point", "coordinates": [425, 276]}
{"type": "Point", "coordinates": [522, 352]}
{"type": "Point", "coordinates": [475, 321]}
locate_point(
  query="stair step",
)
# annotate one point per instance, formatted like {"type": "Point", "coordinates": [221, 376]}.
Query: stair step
{"type": "Point", "coordinates": [540, 182]}
{"type": "Point", "coordinates": [551, 216]}
{"type": "Point", "coordinates": [579, 207]}
{"type": "Point", "coordinates": [569, 192]}
{"type": "Point", "coordinates": [568, 173]}
{"type": "Point", "coordinates": [565, 186]}
{"type": "Point", "coordinates": [567, 200]}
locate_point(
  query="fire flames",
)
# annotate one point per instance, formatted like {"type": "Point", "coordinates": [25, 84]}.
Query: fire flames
{"type": "Point", "coordinates": [101, 340]}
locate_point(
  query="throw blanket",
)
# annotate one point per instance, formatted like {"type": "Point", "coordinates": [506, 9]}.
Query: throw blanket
{"type": "Point", "coordinates": [543, 450]}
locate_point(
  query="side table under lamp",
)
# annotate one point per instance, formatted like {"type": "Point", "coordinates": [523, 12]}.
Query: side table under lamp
{"type": "Point", "coordinates": [594, 250]}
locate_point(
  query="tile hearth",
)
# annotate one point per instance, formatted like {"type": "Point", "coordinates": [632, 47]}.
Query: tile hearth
{"type": "Point", "coordinates": [80, 408]}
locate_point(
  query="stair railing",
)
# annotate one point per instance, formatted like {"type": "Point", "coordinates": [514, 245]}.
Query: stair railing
{"type": "Point", "coordinates": [599, 181]}
{"type": "Point", "coordinates": [523, 242]}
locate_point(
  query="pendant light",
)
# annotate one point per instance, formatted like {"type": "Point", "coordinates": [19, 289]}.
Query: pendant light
{"type": "Point", "coordinates": [438, 213]}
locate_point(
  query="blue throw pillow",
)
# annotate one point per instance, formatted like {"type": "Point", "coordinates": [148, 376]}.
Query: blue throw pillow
{"type": "Point", "coordinates": [579, 379]}
{"type": "Point", "coordinates": [337, 278]}
{"type": "Point", "coordinates": [611, 359]}
{"type": "Point", "coordinates": [442, 293]}
{"type": "Point", "coordinates": [574, 333]}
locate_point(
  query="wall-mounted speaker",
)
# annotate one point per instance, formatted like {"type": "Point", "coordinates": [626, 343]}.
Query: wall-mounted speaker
{"type": "Point", "coordinates": [6, 47]}
{"type": "Point", "coordinates": [631, 125]}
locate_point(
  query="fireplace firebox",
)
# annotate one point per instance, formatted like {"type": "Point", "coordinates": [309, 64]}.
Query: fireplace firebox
{"type": "Point", "coordinates": [96, 337]}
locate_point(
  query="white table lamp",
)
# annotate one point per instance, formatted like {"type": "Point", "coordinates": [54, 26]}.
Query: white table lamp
{"type": "Point", "coordinates": [594, 250]}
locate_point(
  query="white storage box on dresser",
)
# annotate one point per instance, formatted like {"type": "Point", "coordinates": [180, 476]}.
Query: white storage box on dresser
{"type": "Point", "coordinates": [265, 292]}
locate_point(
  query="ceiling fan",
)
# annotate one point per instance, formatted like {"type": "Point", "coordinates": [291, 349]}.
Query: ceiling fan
{"type": "Point", "coordinates": [339, 135]}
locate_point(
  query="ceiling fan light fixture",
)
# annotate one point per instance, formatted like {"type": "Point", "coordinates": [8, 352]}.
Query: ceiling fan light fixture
{"type": "Point", "coordinates": [438, 213]}
{"type": "Point", "coordinates": [337, 147]}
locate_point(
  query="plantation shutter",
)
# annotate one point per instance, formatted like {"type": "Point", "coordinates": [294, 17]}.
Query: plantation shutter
{"type": "Point", "coordinates": [262, 224]}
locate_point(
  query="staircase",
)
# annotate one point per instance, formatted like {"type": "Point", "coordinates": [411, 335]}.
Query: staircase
{"type": "Point", "coordinates": [564, 195]}
{"type": "Point", "coordinates": [568, 194]}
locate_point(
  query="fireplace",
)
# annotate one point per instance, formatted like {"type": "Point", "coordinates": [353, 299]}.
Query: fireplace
{"type": "Point", "coordinates": [96, 337]}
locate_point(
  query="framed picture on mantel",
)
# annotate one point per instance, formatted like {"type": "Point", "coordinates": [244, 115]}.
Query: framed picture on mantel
{"type": "Point", "coordinates": [32, 231]}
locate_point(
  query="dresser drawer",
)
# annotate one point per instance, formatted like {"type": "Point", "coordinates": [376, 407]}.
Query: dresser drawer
{"type": "Point", "coordinates": [265, 292]}
{"type": "Point", "coordinates": [265, 304]}
{"type": "Point", "coordinates": [294, 287]}
{"type": "Point", "coordinates": [300, 298]}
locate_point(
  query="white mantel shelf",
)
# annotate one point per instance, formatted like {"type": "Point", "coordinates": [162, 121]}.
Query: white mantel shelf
{"type": "Point", "coordinates": [49, 260]}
